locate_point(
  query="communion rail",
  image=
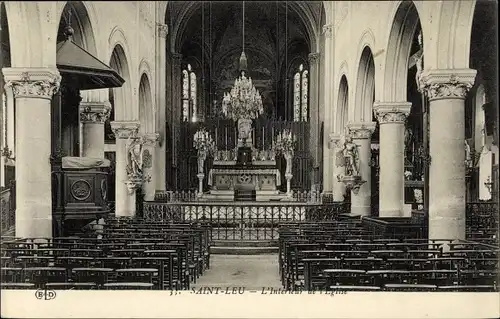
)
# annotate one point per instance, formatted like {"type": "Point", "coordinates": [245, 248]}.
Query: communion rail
{"type": "Point", "coordinates": [242, 221]}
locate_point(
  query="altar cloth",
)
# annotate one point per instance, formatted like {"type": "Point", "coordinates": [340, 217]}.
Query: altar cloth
{"type": "Point", "coordinates": [73, 162]}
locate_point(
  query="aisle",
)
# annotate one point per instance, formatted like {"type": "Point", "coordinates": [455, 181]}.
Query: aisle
{"type": "Point", "coordinates": [250, 271]}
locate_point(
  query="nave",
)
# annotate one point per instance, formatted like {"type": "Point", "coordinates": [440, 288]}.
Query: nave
{"type": "Point", "coordinates": [340, 254]}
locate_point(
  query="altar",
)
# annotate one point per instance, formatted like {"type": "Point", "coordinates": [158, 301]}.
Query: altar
{"type": "Point", "coordinates": [259, 175]}
{"type": "Point", "coordinates": [243, 173]}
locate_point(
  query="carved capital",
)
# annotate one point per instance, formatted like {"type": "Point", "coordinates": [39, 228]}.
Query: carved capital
{"type": "Point", "coordinates": [447, 84]}
{"type": "Point", "coordinates": [94, 112]}
{"type": "Point", "coordinates": [40, 83]}
{"type": "Point", "coordinates": [162, 30]}
{"type": "Point", "coordinates": [150, 139]}
{"type": "Point", "coordinates": [125, 129]}
{"type": "Point", "coordinates": [361, 130]}
{"type": "Point", "coordinates": [328, 30]}
{"type": "Point", "coordinates": [314, 57]}
{"type": "Point", "coordinates": [391, 112]}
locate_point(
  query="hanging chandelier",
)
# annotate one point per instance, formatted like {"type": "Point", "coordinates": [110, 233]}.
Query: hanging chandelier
{"type": "Point", "coordinates": [244, 100]}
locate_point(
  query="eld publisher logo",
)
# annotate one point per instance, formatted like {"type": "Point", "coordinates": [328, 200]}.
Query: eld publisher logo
{"type": "Point", "coordinates": [42, 294]}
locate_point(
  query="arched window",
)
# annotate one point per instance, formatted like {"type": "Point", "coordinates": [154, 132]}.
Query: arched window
{"type": "Point", "coordinates": [300, 95]}
{"type": "Point", "coordinates": [189, 91]}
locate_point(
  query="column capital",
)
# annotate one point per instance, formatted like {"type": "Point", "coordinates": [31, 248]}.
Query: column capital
{"type": "Point", "coordinates": [391, 112]}
{"type": "Point", "coordinates": [162, 30]}
{"type": "Point", "coordinates": [328, 30]}
{"type": "Point", "coordinates": [125, 129]}
{"type": "Point", "coordinates": [334, 140]}
{"type": "Point", "coordinates": [94, 112]}
{"type": "Point", "coordinates": [40, 83]}
{"type": "Point", "coordinates": [314, 57]}
{"type": "Point", "coordinates": [150, 139]}
{"type": "Point", "coordinates": [361, 130]}
{"type": "Point", "coordinates": [447, 83]}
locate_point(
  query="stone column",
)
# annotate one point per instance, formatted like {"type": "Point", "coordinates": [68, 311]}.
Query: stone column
{"type": "Point", "coordinates": [161, 107]}
{"type": "Point", "coordinates": [93, 115]}
{"type": "Point", "coordinates": [124, 199]}
{"type": "Point", "coordinates": [149, 160]}
{"type": "Point", "coordinates": [361, 135]}
{"type": "Point", "coordinates": [391, 117]}
{"type": "Point", "coordinates": [176, 113]}
{"type": "Point", "coordinates": [314, 112]}
{"type": "Point", "coordinates": [446, 90]}
{"type": "Point", "coordinates": [33, 90]}
{"type": "Point", "coordinates": [328, 154]}
{"type": "Point", "coordinates": [337, 169]}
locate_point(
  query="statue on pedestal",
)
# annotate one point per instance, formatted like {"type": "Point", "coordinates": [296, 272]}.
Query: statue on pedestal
{"type": "Point", "coordinates": [134, 157]}
{"type": "Point", "coordinates": [244, 128]}
{"type": "Point", "coordinates": [351, 156]}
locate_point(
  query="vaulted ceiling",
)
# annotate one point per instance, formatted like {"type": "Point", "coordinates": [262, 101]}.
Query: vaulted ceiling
{"type": "Point", "coordinates": [215, 30]}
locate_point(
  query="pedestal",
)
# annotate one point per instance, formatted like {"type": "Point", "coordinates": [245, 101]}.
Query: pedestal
{"type": "Point", "coordinates": [338, 187]}
{"type": "Point", "coordinates": [124, 199]}
{"type": "Point", "coordinates": [361, 135]}
{"type": "Point", "coordinates": [148, 160]}
{"type": "Point", "coordinates": [392, 116]}
{"type": "Point", "coordinates": [288, 185]}
{"type": "Point", "coordinates": [33, 90]}
{"type": "Point", "coordinates": [447, 90]}
{"type": "Point", "coordinates": [200, 183]}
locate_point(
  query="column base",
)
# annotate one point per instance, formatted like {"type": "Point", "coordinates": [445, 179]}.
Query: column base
{"type": "Point", "coordinates": [446, 228]}
{"type": "Point", "coordinates": [390, 213]}
{"type": "Point", "coordinates": [149, 196]}
{"type": "Point", "coordinates": [34, 227]}
{"type": "Point", "coordinates": [361, 210]}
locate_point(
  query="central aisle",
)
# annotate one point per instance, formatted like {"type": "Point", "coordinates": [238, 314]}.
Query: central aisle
{"type": "Point", "coordinates": [253, 272]}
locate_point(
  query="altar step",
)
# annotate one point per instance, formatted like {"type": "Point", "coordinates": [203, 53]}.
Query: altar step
{"type": "Point", "coordinates": [244, 247]}
{"type": "Point", "coordinates": [244, 195]}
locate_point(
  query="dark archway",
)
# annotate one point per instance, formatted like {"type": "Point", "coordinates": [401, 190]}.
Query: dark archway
{"type": "Point", "coordinates": [481, 105]}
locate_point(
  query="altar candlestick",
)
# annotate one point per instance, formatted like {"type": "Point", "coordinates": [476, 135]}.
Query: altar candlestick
{"type": "Point", "coordinates": [226, 136]}
{"type": "Point", "coordinates": [272, 135]}
{"type": "Point", "coordinates": [216, 140]}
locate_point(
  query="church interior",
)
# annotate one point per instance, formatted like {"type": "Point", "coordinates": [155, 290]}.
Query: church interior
{"type": "Point", "coordinates": [293, 145]}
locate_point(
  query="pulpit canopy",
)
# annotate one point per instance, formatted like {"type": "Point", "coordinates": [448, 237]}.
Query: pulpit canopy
{"type": "Point", "coordinates": [85, 71]}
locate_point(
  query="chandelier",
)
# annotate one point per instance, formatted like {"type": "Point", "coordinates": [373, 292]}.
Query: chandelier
{"type": "Point", "coordinates": [244, 100]}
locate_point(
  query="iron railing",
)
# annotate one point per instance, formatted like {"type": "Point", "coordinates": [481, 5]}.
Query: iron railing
{"type": "Point", "coordinates": [189, 196]}
{"type": "Point", "coordinates": [235, 221]}
{"type": "Point", "coordinates": [8, 211]}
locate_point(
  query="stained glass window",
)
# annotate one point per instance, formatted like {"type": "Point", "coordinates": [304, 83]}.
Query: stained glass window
{"type": "Point", "coordinates": [300, 95]}
{"type": "Point", "coordinates": [189, 93]}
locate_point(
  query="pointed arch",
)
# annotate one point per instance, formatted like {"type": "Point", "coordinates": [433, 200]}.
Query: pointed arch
{"type": "Point", "coordinates": [404, 24]}
{"type": "Point", "coordinates": [83, 21]}
{"type": "Point", "coordinates": [122, 96]}
{"type": "Point", "coordinates": [146, 111]}
{"type": "Point", "coordinates": [365, 87]}
{"type": "Point", "coordinates": [342, 117]}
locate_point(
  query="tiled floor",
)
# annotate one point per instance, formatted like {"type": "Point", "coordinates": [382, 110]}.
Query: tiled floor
{"type": "Point", "coordinates": [253, 272]}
